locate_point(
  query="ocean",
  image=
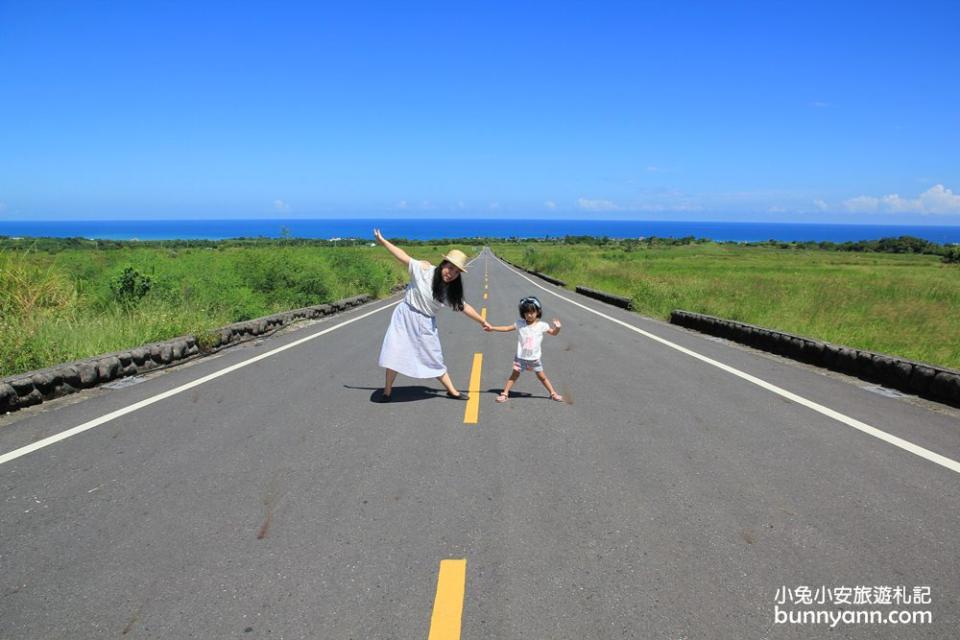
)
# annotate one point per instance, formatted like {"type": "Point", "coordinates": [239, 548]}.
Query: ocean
{"type": "Point", "coordinates": [426, 229]}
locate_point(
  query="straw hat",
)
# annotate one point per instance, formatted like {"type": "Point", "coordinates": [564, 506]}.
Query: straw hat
{"type": "Point", "coordinates": [457, 258]}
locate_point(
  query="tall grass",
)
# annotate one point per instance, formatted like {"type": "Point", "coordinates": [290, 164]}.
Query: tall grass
{"type": "Point", "coordinates": [905, 305]}
{"type": "Point", "coordinates": [58, 306]}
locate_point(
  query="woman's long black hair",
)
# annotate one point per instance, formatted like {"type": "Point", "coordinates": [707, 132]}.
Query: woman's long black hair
{"type": "Point", "coordinates": [451, 294]}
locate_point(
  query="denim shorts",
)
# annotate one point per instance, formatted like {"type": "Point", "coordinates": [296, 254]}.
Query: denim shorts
{"type": "Point", "coordinates": [528, 365]}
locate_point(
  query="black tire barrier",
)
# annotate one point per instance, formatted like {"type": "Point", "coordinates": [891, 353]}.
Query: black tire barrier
{"type": "Point", "coordinates": [550, 279]}
{"type": "Point", "coordinates": [925, 380]}
{"type": "Point", "coordinates": [609, 298]}
{"type": "Point", "coordinates": [33, 387]}
{"type": "Point", "coordinates": [542, 276]}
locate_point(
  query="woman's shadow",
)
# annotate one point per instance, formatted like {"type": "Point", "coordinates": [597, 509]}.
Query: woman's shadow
{"type": "Point", "coordinates": [403, 394]}
{"type": "Point", "coordinates": [419, 392]}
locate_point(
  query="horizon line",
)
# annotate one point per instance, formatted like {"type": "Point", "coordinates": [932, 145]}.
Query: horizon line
{"type": "Point", "coordinates": [478, 218]}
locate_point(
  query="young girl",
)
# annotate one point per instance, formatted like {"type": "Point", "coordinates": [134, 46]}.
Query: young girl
{"type": "Point", "coordinates": [530, 330]}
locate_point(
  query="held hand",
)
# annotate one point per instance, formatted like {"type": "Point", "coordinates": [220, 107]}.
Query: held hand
{"type": "Point", "coordinates": [487, 326]}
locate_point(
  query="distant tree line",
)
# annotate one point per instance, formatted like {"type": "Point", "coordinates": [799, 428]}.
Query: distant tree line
{"type": "Point", "coordinates": [901, 244]}
{"type": "Point", "coordinates": [53, 245]}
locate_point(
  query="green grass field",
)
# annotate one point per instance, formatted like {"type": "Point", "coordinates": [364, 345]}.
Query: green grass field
{"type": "Point", "coordinates": [901, 304]}
{"type": "Point", "coordinates": [61, 304]}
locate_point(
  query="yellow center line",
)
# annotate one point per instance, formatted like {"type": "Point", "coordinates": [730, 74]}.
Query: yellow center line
{"type": "Point", "coordinates": [484, 295]}
{"type": "Point", "coordinates": [483, 313]}
{"type": "Point", "coordinates": [472, 413]}
{"type": "Point", "coordinates": [448, 605]}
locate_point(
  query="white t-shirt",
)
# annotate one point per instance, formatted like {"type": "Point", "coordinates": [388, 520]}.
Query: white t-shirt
{"type": "Point", "coordinates": [529, 338]}
{"type": "Point", "coordinates": [420, 290]}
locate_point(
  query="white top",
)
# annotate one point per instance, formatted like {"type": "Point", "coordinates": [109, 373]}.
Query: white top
{"type": "Point", "coordinates": [420, 290]}
{"type": "Point", "coordinates": [529, 338]}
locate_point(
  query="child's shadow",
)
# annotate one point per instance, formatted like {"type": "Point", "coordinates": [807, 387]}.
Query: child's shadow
{"type": "Point", "coordinates": [513, 394]}
{"type": "Point", "coordinates": [403, 394]}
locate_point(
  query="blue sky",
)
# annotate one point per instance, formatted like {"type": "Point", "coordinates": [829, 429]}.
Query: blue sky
{"type": "Point", "coordinates": [799, 112]}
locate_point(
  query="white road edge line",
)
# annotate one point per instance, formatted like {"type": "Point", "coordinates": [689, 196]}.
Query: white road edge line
{"type": "Point", "coordinates": [46, 442]}
{"type": "Point", "coordinates": [936, 458]}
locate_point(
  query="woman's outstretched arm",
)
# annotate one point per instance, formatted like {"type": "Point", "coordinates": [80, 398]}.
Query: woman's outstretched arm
{"type": "Point", "coordinates": [471, 313]}
{"type": "Point", "coordinates": [397, 252]}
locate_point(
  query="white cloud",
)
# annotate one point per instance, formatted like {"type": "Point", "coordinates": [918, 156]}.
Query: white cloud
{"type": "Point", "coordinates": [418, 205]}
{"type": "Point", "coordinates": [460, 205]}
{"type": "Point", "coordinates": [820, 205]}
{"type": "Point", "coordinates": [678, 205]}
{"type": "Point", "coordinates": [820, 104]}
{"type": "Point", "coordinates": [862, 204]}
{"type": "Point", "coordinates": [597, 205]}
{"type": "Point", "coordinates": [652, 169]}
{"type": "Point", "coordinates": [550, 204]}
{"type": "Point", "coordinates": [939, 199]}
{"type": "Point", "coordinates": [776, 209]}
{"type": "Point", "coordinates": [935, 200]}
{"type": "Point", "coordinates": [896, 204]}
{"type": "Point", "coordinates": [654, 202]}
{"type": "Point", "coordinates": [494, 205]}
{"type": "Point", "coordinates": [280, 205]}
{"type": "Point", "coordinates": [3, 207]}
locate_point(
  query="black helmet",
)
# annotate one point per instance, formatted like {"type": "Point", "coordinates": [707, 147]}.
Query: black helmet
{"type": "Point", "coordinates": [528, 303]}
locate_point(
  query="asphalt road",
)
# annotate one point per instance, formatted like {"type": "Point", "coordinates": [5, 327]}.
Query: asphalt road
{"type": "Point", "coordinates": [668, 498]}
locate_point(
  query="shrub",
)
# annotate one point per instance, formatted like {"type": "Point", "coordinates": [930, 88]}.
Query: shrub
{"type": "Point", "coordinates": [129, 287]}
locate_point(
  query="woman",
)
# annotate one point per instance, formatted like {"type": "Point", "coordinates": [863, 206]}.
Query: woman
{"type": "Point", "coordinates": [412, 343]}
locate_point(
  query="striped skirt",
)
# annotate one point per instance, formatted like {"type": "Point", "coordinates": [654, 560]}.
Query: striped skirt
{"type": "Point", "coordinates": [412, 344]}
